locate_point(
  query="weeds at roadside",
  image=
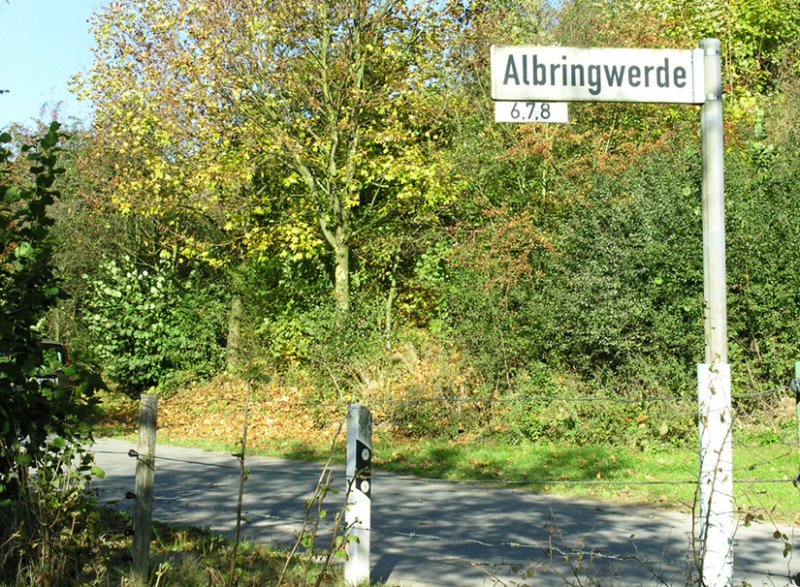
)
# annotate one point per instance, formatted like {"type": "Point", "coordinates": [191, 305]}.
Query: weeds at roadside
{"type": "Point", "coordinates": [45, 527]}
{"type": "Point", "coordinates": [314, 515]}
{"type": "Point", "coordinates": [570, 563]}
{"type": "Point", "coordinates": [196, 557]}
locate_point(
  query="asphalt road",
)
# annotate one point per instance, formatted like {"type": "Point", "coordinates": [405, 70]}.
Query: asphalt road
{"type": "Point", "coordinates": [440, 533]}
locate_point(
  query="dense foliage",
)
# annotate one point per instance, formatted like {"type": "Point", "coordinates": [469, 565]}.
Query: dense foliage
{"type": "Point", "coordinates": [151, 326]}
{"type": "Point", "coordinates": [31, 411]}
{"type": "Point", "coordinates": [371, 233]}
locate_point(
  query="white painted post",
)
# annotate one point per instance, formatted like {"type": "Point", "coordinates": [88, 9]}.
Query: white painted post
{"type": "Point", "coordinates": [359, 501]}
{"type": "Point", "coordinates": [716, 524]}
{"type": "Point", "coordinates": [713, 377]}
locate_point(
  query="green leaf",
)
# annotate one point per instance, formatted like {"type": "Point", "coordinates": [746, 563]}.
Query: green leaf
{"type": "Point", "coordinates": [13, 195]}
{"type": "Point", "coordinates": [23, 250]}
{"type": "Point", "coordinates": [98, 472]}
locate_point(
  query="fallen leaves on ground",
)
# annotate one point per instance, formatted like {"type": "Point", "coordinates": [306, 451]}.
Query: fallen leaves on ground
{"type": "Point", "coordinates": [279, 415]}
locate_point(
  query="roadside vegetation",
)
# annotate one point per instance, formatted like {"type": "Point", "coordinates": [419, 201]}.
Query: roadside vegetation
{"type": "Point", "coordinates": [657, 474]}
{"type": "Point", "coordinates": [317, 194]}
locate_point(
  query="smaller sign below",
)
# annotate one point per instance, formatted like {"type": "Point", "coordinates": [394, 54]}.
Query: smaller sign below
{"type": "Point", "coordinates": [530, 112]}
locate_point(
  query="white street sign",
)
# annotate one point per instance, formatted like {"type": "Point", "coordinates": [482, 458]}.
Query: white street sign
{"type": "Point", "coordinates": [530, 112]}
{"type": "Point", "coordinates": [529, 73]}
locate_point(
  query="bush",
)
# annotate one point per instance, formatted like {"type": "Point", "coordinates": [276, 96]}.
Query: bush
{"type": "Point", "coordinates": [763, 257]}
{"type": "Point", "coordinates": [628, 278]}
{"type": "Point", "coordinates": [630, 408]}
{"type": "Point", "coordinates": [614, 280]}
{"type": "Point", "coordinates": [151, 327]}
{"type": "Point", "coordinates": [619, 292]}
{"type": "Point", "coordinates": [425, 389]}
{"type": "Point", "coordinates": [45, 528]}
{"type": "Point", "coordinates": [336, 350]}
{"type": "Point", "coordinates": [30, 412]}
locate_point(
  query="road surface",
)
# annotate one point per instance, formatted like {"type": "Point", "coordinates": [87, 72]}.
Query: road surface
{"type": "Point", "coordinates": [428, 532]}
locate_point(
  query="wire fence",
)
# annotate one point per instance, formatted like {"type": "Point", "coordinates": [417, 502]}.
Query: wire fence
{"type": "Point", "coordinates": [519, 532]}
{"type": "Point", "coordinates": [511, 548]}
{"type": "Point", "coordinates": [532, 482]}
{"type": "Point", "coordinates": [372, 403]}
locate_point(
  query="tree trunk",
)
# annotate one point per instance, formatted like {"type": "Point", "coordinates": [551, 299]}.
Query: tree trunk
{"type": "Point", "coordinates": [390, 301]}
{"type": "Point", "coordinates": [234, 346]}
{"type": "Point", "coordinates": [341, 288]}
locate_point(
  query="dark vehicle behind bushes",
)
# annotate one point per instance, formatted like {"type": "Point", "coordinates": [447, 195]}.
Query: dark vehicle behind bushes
{"type": "Point", "coordinates": [55, 358]}
{"type": "Point", "coordinates": [52, 360]}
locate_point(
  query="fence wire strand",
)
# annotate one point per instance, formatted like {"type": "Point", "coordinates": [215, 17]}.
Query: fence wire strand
{"type": "Point", "coordinates": [373, 403]}
{"type": "Point", "coordinates": [503, 482]}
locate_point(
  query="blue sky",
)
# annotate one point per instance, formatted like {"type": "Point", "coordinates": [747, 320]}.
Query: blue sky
{"type": "Point", "coordinates": [42, 44]}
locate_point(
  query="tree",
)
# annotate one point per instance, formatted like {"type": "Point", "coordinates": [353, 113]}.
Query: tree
{"type": "Point", "coordinates": [281, 120]}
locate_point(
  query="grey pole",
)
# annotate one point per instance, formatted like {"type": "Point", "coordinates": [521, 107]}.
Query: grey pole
{"type": "Point", "coordinates": [359, 495]}
{"type": "Point", "coordinates": [795, 387]}
{"type": "Point", "coordinates": [716, 322]}
{"type": "Point", "coordinates": [145, 475]}
{"type": "Point", "coordinates": [716, 524]}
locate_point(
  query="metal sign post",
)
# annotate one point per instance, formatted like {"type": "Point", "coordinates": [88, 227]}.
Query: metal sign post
{"type": "Point", "coordinates": [714, 376]}
{"type": "Point", "coordinates": [534, 75]}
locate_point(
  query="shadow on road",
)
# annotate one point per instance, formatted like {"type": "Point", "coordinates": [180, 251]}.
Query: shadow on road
{"type": "Point", "coordinates": [428, 532]}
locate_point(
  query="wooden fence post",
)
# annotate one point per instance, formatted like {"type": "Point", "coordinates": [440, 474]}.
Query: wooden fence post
{"type": "Point", "coordinates": [145, 476]}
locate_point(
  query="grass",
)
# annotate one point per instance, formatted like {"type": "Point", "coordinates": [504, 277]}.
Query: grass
{"type": "Point", "coordinates": [192, 556]}
{"type": "Point", "coordinates": [100, 556]}
{"type": "Point", "coordinates": [662, 478]}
